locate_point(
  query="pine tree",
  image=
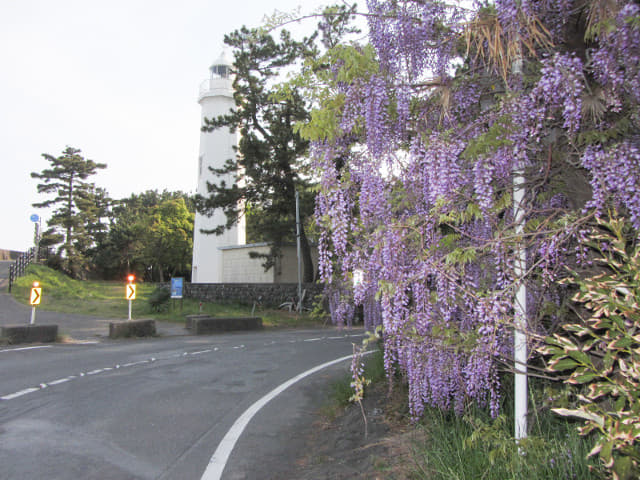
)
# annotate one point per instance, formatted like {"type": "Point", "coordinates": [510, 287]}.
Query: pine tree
{"type": "Point", "coordinates": [74, 206]}
{"type": "Point", "coordinates": [271, 155]}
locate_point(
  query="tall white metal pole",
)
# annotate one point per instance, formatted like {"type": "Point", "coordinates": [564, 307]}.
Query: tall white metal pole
{"type": "Point", "coordinates": [520, 301]}
{"type": "Point", "coordinates": [298, 251]}
{"type": "Point", "coordinates": [520, 311]}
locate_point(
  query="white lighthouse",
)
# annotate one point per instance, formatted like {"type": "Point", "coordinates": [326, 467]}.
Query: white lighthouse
{"type": "Point", "coordinates": [216, 98]}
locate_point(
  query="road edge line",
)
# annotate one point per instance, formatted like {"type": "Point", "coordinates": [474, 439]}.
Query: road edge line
{"type": "Point", "coordinates": [219, 459]}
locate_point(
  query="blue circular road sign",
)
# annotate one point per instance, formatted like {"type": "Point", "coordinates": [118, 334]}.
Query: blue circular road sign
{"type": "Point", "coordinates": [34, 218]}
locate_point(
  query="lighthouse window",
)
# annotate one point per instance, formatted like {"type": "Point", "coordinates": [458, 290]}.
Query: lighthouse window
{"type": "Point", "coordinates": [200, 165]}
{"type": "Point", "coordinates": [221, 70]}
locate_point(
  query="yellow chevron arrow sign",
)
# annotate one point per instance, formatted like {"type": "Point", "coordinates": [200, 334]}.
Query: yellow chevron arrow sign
{"type": "Point", "coordinates": [36, 296]}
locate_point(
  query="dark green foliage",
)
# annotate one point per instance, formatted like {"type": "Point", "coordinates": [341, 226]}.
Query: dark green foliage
{"type": "Point", "coordinates": [76, 222]}
{"type": "Point", "coordinates": [159, 299]}
{"type": "Point", "coordinates": [151, 235]}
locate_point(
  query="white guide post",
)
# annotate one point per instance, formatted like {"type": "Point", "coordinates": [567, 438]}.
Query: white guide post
{"type": "Point", "coordinates": [298, 251]}
{"type": "Point", "coordinates": [520, 301]}
{"type": "Point", "coordinates": [520, 311]}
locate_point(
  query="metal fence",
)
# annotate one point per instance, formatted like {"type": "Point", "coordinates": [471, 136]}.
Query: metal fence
{"type": "Point", "coordinates": [20, 265]}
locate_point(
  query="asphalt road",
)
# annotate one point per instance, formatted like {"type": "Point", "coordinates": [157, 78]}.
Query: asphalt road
{"type": "Point", "coordinates": [159, 408]}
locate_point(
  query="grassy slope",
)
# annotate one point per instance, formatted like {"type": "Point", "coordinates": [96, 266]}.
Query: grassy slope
{"type": "Point", "coordinates": [107, 300]}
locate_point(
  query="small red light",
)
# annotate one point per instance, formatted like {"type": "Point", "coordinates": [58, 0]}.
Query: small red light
{"type": "Point", "coordinates": [131, 278]}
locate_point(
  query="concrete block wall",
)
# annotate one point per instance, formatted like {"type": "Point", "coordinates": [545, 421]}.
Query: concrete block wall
{"type": "Point", "coordinates": [270, 295]}
{"type": "Point", "coordinates": [238, 266]}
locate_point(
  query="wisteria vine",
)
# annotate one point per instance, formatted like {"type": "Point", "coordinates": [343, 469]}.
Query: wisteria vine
{"type": "Point", "coordinates": [417, 180]}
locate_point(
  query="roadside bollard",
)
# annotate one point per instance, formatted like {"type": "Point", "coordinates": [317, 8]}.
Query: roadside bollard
{"type": "Point", "coordinates": [34, 300]}
{"type": "Point", "coordinates": [130, 291]}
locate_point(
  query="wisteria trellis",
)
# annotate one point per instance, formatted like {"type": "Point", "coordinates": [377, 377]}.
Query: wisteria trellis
{"type": "Point", "coordinates": [416, 183]}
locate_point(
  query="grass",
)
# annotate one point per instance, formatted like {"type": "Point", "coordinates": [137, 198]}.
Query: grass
{"type": "Point", "coordinates": [475, 446]}
{"type": "Point", "coordinates": [107, 300]}
{"type": "Point", "coordinates": [464, 448]}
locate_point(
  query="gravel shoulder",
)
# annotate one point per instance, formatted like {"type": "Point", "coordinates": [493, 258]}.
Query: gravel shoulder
{"type": "Point", "coordinates": [337, 448]}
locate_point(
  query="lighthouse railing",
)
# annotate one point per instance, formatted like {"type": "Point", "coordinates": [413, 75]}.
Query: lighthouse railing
{"type": "Point", "coordinates": [216, 86]}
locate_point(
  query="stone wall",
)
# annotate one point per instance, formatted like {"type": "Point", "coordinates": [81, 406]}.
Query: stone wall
{"type": "Point", "coordinates": [270, 295]}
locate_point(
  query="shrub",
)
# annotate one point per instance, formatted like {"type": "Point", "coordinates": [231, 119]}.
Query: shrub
{"type": "Point", "coordinates": [601, 353]}
{"type": "Point", "coordinates": [159, 299]}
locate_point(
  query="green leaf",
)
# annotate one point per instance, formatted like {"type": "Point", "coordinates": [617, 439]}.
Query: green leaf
{"type": "Point", "coordinates": [579, 330]}
{"type": "Point", "coordinates": [621, 343]}
{"type": "Point", "coordinates": [622, 466]}
{"type": "Point", "coordinates": [583, 378]}
{"type": "Point", "coordinates": [580, 356]}
{"type": "Point", "coordinates": [565, 412]}
{"type": "Point", "coordinates": [562, 365]}
{"type": "Point", "coordinates": [606, 453]}
{"type": "Point", "coordinates": [550, 350]}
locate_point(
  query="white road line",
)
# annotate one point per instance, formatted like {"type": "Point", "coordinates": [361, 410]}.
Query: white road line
{"type": "Point", "coordinates": [220, 457]}
{"type": "Point", "coordinates": [134, 363]}
{"type": "Point", "coordinates": [153, 359]}
{"type": "Point", "coordinates": [62, 380]}
{"type": "Point", "coordinates": [26, 391]}
{"type": "Point", "coordinates": [22, 349]}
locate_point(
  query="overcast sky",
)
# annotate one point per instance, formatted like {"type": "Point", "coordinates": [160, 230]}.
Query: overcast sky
{"type": "Point", "coordinates": [117, 79]}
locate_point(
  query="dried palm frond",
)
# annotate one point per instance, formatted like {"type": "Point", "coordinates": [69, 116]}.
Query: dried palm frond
{"type": "Point", "coordinates": [500, 49]}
